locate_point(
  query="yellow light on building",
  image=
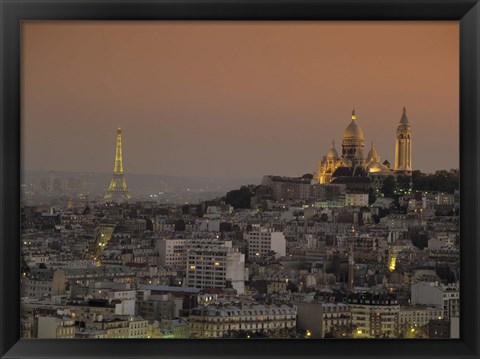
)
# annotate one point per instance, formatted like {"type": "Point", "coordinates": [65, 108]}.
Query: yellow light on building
{"type": "Point", "coordinates": [192, 267]}
{"type": "Point", "coordinates": [392, 263]}
{"type": "Point", "coordinates": [217, 263]}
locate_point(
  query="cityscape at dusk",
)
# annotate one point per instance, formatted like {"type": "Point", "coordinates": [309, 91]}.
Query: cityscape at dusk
{"type": "Point", "coordinates": [240, 180]}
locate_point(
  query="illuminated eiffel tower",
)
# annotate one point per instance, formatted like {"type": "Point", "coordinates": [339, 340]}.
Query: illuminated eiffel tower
{"type": "Point", "coordinates": [118, 191]}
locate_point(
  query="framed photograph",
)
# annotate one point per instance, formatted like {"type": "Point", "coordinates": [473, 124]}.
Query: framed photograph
{"type": "Point", "coordinates": [239, 179]}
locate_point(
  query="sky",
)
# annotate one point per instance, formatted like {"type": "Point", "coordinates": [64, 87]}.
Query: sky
{"type": "Point", "coordinates": [234, 99]}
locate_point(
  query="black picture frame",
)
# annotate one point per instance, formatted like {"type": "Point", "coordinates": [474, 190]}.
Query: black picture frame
{"type": "Point", "coordinates": [13, 12]}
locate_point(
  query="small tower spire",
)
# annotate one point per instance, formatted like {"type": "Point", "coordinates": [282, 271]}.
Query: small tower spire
{"type": "Point", "coordinates": [354, 117]}
{"type": "Point", "coordinates": [403, 145]}
{"type": "Point", "coordinates": [333, 143]}
{"type": "Point", "coordinates": [404, 119]}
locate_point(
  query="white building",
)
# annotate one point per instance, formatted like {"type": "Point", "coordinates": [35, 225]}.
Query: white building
{"type": "Point", "coordinates": [263, 241]}
{"type": "Point", "coordinates": [171, 253]}
{"type": "Point", "coordinates": [446, 297]}
{"type": "Point", "coordinates": [418, 315]}
{"type": "Point", "coordinates": [208, 224]}
{"type": "Point", "coordinates": [356, 199]}
{"type": "Point", "coordinates": [119, 293]}
{"type": "Point", "coordinates": [125, 307]}
{"type": "Point", "coordinates": [120, 326]}
{"type": "Point", "coordinates": [137, 328]}
{"type": "Point", "coordinates": [56, 328]}
{"type": "Point", "coordinates": [215, 264]}
{"type": "Point", "coordinates": [374, 315]}
{"type": "Point", "coordinates": [44, 283]}
{"type": "Point", "coordinates": [455, 327]}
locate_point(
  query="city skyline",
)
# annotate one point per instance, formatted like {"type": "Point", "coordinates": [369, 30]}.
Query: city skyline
{"type": "Point", "coordinates": [222, 106]}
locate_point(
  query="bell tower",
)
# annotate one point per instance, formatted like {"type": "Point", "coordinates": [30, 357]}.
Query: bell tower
{"type": "Point", "coordinates": [403, 145]}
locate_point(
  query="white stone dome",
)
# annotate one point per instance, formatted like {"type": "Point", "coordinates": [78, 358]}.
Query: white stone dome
{"type": "Point", "coordinates": [353, 130]}
{"type": "Point", "coordinates": [332, 153]}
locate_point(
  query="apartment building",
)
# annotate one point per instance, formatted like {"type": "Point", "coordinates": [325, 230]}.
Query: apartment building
{"type": "Point", "coordinates": [215, 264]}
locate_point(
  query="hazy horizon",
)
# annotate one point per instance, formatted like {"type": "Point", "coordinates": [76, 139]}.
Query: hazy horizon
{"type": "Point", "coordinates": [234, 100]}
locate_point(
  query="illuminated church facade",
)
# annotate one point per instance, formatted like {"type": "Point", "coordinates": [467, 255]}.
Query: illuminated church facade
{"type": "Point", "coordinates": [353, 162]}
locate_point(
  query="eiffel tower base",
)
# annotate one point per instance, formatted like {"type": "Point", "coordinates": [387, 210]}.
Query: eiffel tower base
{"type": "Point", "coordinates": [117, 191]}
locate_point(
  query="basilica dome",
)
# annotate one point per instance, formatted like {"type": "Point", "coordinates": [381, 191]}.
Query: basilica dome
{"type": "Point", "coordinates": [332, 153]}
{"type": "Point", "coordinates": [353, 130]}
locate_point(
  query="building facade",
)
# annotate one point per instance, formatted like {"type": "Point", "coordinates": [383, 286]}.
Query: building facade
{"type": "Point", "coordinates": [56, 328]}
{"type": "Point", "coordinates": [374, 315]}
{"type": "Point", "coordinates": [215, 264]}
{"type": "Point", "coordinates": [171, 253]}
{"type": "Point", "coordinates": [217, 321]}
{"type": "Point", "coordinates": [264, 241]}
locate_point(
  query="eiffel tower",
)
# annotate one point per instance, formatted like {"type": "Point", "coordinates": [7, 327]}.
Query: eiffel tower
{"type": "Point", "coordinates": [118, 191]}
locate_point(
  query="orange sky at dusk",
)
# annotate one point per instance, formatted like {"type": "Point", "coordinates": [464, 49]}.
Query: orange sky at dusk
{"type": "Point", "coordinates": [234, 99]}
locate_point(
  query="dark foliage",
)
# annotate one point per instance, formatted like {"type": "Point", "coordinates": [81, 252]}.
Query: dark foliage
{"type": "Point", "coordinates": [180, 225]}
{"type": "Point", "coordinates": [371, 196]}
{"type": "Point", "coordinates": [389, 186]}
{"type": "Point", "coordinates": [239, 198]}
{"type": "Point", "coordinates": [419, 239]}
{"type": "Point", "coordinates": [441, 181]}
{"type": "Point", "coordinates": [308, 175]}
{"type": "Point", "coordinates": [292, 287]}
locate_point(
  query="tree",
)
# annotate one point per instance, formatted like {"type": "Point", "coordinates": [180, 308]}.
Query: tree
{"type": "Point", "coordinates": [341, 331]}
{"type": "Point", "coordinates": [446, 274]}
{"type": "Point", "coordinates": [419, 239]}
{"type": "Point", "coordinates": [292, 287]}
{"type": "Point", "coordinates": [371, 196]}
{"type": "Point", "coordinates": [441, 181]}
{"type": "Point", "coordinates": [240, 198]}
{"type": "Point", "coordinates": [179, 225]}
{"type": "Point", "coordinates": [389, 186]}
{"type": "Point", "coordinates": [244, 334]}
{"type": "Point", "coordinates": [404, 183]}
{"type": "Point", "coordinates": [324, 217]}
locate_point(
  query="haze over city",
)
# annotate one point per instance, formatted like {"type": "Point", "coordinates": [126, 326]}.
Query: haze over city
{"type": "Point", "coordinates": [233, 100]}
